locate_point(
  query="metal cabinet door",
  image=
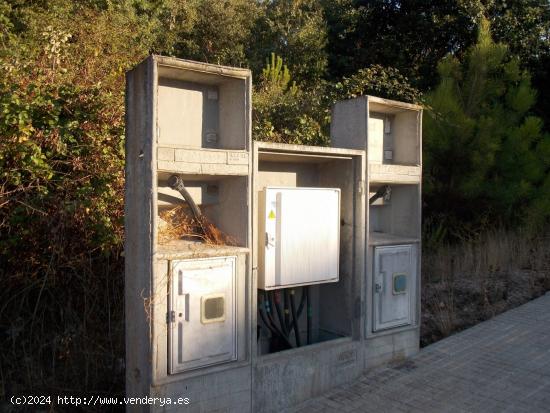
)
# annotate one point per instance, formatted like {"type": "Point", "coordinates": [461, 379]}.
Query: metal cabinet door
{"type": "Point", "coordinates": [302, 237]}
{"type": "Point", "coordinates": [202, 313]}
{"type": "Point", "coordinates": [394, 286]}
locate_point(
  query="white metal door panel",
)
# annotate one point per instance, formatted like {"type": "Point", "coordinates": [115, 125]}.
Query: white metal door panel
{"type": "Point", "coordinates": [302, 236]}
{"type": "Point", "coordinates": [202, 327]}
{"type": "Point", "coordinates": [394, 286]}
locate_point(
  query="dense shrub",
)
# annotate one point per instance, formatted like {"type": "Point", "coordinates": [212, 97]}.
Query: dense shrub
{"type": "Point", "coordinates": [61, 196]}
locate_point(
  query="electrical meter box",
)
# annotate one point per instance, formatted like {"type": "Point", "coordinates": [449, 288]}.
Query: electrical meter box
{"type": "Point", "coordinates": [188, 233]}
{"type": "Point", "coordinates": [299, 236]}
{"type": "Point", "coordinates": [240, 255]}
{"type": "Point", "coordinates": [394, 286]}
{"type": "Point", "coordinates": [391, 134]}
{"type": "Point", "coordinates": [202, 312]}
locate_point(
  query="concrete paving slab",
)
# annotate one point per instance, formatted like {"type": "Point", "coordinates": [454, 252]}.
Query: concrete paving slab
{"type": "Point", "coordinates": [502, 364]}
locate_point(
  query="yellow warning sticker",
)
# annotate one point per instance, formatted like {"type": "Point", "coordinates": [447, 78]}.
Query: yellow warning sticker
{"type": "Point", "coordinates": [271, 215]}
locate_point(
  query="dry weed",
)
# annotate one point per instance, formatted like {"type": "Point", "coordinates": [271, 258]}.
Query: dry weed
{"type": "Point", "coordinates": [179, 223]}
{"type": "Point", "coordinates": [469, 282]}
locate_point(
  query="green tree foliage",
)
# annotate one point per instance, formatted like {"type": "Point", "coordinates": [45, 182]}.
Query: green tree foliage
{"type": "Point", "coordinates": [525, 26]}
{"type": "Point", "coordinates": [408, 35]}
{"type": "Point", "coordinates": [295, 29]}
{"type": "Point", "coordinates": [414, 36]}
{"type": "Point", "coordinates": [61, 191]}
{"type": "Point", "coordinates": [283, 112]}
{"type": "Point", "coordinates": [62, 120]}
{"type": "Point", "coordinates": [376, 80]}
{"type": "Point", "coordinates": [217, 32]}
{"type": "Point", "coordinates": [486, 158]}
{"type": "Point", "coordinates": [287, 112]}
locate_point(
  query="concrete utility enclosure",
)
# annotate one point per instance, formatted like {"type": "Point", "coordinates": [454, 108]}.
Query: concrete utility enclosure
{"type": "Point", "coordinates": [261, 274]}
{"type": "Point", "coordinates": [328, 184]}
{"type": "Point", "coordinates": [211, 109]}
{"type": "Point", "coordinates": [391, 133]}
{"type": "Point", "coordinates": [187, 300]}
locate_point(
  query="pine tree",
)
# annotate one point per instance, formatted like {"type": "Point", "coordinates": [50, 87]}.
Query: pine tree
{"type": "Point", "coordinates": [486, 157]}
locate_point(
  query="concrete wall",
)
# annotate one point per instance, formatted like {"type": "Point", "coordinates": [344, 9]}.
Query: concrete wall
{"type": "Point", "coordinates": [287, 378]}
{"type": "Point", "coordinates": [391, 347]}
{"type": "Point", "coordinates": [139, 224]}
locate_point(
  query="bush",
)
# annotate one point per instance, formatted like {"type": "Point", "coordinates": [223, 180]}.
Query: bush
{"type": "Point", "coordinates": [283, 112]}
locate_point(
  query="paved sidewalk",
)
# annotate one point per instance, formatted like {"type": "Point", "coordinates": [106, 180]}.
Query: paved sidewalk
{"type": "Point", "coordinates": [500, 365]}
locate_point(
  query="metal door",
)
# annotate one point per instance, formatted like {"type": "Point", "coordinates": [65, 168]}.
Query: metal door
{"type": "Point", "coordinates": [202, 313]}
{"type": "Point", "coordinates": [302, 239]}
{"type": "Point", "coordinates": [394, 286]}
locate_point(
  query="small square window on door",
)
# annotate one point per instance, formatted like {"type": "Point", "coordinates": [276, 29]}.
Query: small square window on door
{"type": "Point", "coordinates": [394, 286]}
{"type": "Point", "coordinates": [202, 314]}
{"type": "Point", "coordinates": [212, 308]}
{"type": "Point", "coordinates": [399, 283]}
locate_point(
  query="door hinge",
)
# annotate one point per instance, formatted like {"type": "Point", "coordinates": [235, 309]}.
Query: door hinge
{"type": "Point", "coordinates": [170, 317]}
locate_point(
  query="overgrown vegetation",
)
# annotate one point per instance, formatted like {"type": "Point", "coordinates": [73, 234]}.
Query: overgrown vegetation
{"type": "Point", "coordinates": [62, 136]}
{"type": "Point", "coordinates": [473, 281]}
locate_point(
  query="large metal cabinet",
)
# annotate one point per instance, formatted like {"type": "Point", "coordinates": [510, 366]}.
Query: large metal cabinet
{"type": "Point", "coordinates": [298, 224]}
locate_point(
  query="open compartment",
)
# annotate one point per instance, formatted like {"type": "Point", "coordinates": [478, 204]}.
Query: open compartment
{"type": "Point", "coordinates": [222, 200]}
{"type": "Point", "coordinates": [394, 213]}
{"type": "Point", "coordinates": [393, 134]}
{"type": "Point", "coordinates": [201, 110]}
{"type": "Point", "coordinates": [322, 305]}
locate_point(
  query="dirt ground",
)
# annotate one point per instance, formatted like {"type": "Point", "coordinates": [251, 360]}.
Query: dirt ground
{"type": "Point", "coordinates": [454, 303]}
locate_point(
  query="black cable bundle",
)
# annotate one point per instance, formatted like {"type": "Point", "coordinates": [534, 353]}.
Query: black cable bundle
{"type": "Point", "coordinates": [286, 319]}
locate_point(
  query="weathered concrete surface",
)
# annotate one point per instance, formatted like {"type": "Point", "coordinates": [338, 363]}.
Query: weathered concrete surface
{"type": "Point", "coordinates": [501, 365]}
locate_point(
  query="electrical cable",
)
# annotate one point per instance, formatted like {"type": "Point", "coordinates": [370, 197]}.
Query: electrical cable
{"type": "Point", "coordinates": [271, 316]}
{"type": "Point", "coordinates": [295, 318]}
{"type": "Point", "coordinates": [265, 320]}
{"type": "Point", "coordinates": [308, 315]}
{"type": "Point", "coordinates": [302, 302]}
{"type": "Point", "coordinates": [273, 331]}
{"type": "Point", "coordinates": [276, 298]}
{"type": "Point", "coordinates": [286, 311]}
{"type": "Point", "coordinates": [270, 322]}
{"type": "Point", "coordinates": [176, 183]}
{"type": "Point", "coordinates": [383, 192]}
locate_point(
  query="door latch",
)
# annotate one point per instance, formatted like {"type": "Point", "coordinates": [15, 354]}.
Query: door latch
{"type": "Point", "coordinates": [269, 240]}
